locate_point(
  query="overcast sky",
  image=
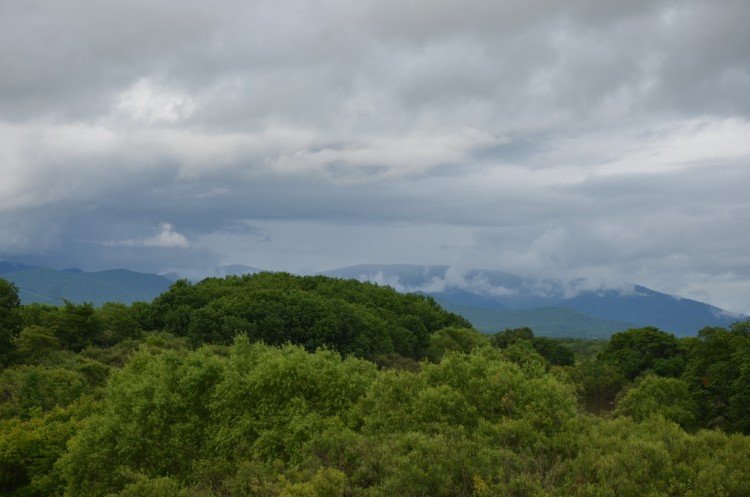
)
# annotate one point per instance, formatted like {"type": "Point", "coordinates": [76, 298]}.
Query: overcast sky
{"type": "Point", "coordinates": [588, 138]}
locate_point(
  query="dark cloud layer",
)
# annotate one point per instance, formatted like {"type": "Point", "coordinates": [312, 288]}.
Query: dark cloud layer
{"type": "Point", "coordinates": [607, 140]}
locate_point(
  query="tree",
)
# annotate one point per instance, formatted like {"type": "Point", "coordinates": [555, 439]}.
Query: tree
{"type": "Point", "coordinates": [152, 487]}
{"type": "Point", "coordinates": [668, 397]}
{"type": "Point", "coordinates": [313, 311]}
{"type": "Point", "coordinates": [25, 389]}
{"type": "Point", "coordinates": [10, 321]}
{"type": "Point", "coordinates": [454, 338]}
{"type": "Point", "coordinates": [153, 420]}
{"type": "Point", "coordinates": [29, 449]}
{"type": "Point", "coordinates": [36, 343]}
{"type": "Point", "coordinates": [553, 351]}
{"type": "Point", "coordinates": [599, 383]}
{"type": "Point", "coordinates": [638, 350]}
{"type": "Point", "coordinates": [38, 314]}
{"type": "Point", "coordinates": [718, 373]}
{"type": "Point", "coordinates": [119, 322]}
{"type": "Point", "coordinates": [78, 326]}
{"type": "Point", "coordinates": [509, 336]}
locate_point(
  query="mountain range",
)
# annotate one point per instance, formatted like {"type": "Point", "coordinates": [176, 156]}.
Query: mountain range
{"type": "Point", "coordinates": [491, 300]}
{"type": "Point", "coordinates": [50, 286]}
{"type": "Point", "coordinates": [495, 300]}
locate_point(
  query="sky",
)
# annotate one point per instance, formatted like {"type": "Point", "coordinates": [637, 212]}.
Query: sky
{"type": "Point", "coordinates": [596, 139]}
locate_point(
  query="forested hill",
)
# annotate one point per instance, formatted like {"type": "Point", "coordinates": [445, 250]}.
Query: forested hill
{"type": "Point", "coordinates": [349, 316]}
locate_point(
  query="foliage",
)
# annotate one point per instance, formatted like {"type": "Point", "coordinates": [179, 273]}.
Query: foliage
{"type": "Point", "coordinates": [719, 376]}
{"type": "Point", "coordinates": [119, 322]}
{"type": "Point", "coordinates": [155, 408]}
{"type": "Point", "coordinates": [272, 400]}
{"type": "Point", "coordinates": [262, 386]}
{"type": "Point", "coordinates": [630, 459]}
{"type": "Point", "coordinates": [554, 352]}
{"type": "Point", "coordinates": [639, 350]}
{"type": "Point", "coordinates": [509, 336]}
{"type": "Point", "coordinates": [29, 449]}
{"type": "Point", "coordinates": [151, 487]}
{"type": "Point", "coordinates": [313, 311]}
{"type": "Point", "coordinates": [35, 343]}
{"type": "Point", "coordinates": [26, 390]}
{"type": "Point", "coordinates": [667, 397]}
{"type": "Point", "coordinates": [10, 321]}
{"type": "Point", "coordinates": [36, 314]}
{"type": "Point", "coordinates": [78, 326]}
{"type": "Point", "coordinates": [551, 350]}
{"type": "Point", "coordinates": [598, 383]}
{"type": "Point", "coordinates": [262, 420]}
{"type": "Point", "coordinates": [454, 339]}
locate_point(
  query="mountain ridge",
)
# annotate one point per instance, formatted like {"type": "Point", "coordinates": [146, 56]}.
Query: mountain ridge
{"type": "Point", "coordinates": [491, 300]}
{"type": "Point", "coordinates": [478, 291]}
{"type": "Point", "coordinates": [50, 286]}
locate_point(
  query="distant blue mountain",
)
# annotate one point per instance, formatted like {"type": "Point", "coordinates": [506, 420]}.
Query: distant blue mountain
{"type": "Point", "coordinates": [50, 286]}
{"type": "Point", "coordinates": [485, 296]}
{"type": "Point", "coordinates": [558, 322]}
{"type": "Point", "coordinates": [465, 298]}
{"type": "Point", "coordinates": [10, 267]}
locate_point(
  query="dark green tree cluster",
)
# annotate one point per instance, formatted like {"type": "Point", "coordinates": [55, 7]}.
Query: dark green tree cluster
{"type": "Point", "coordinates": [696, 381]}
{"type": "Point", "coordinates": [718, 375]}
{"type": "Point", "coordinates": [645, 350]}
{"type": "Point", "coordinates": [551, 350]}
{"type": "Point", "coordinates": [351, 317]}
{"type": "Point", "coordinates": [10, 322]}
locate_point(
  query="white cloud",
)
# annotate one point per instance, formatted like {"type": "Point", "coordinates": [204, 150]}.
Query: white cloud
{"type": "Point", "coordinates": [387, 156]}
{"type": "Point", "coordinates": [167, 237]}
{"type": "Point", "coordinates": [149, 103]}
{"type": "Point", "coordinates": [682, 145]}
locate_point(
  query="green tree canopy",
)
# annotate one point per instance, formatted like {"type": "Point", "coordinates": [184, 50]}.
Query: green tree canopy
{"type": "Point", "coordinates": [78, 326]}
{"type": "Point", "coordinates": [454, 339]}
{"type": "Point", "coordinates": [509, 336]}
{"type": "Point", "coordinates": [655, 395]}
{"type": "Point", "coordinates": [718, 373]}
{"type": "Point", "coordinates": [638, 350]}
{"type": "Point", "coordinates": [352, 317]}
{"type": "Point", "coordinates": [555, 353]}
{"type": "Point", "coordinates": [10, 319]}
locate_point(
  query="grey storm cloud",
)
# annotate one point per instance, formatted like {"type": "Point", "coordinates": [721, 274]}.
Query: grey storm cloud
{"type": "Point", "coordinates": [597, 139]}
